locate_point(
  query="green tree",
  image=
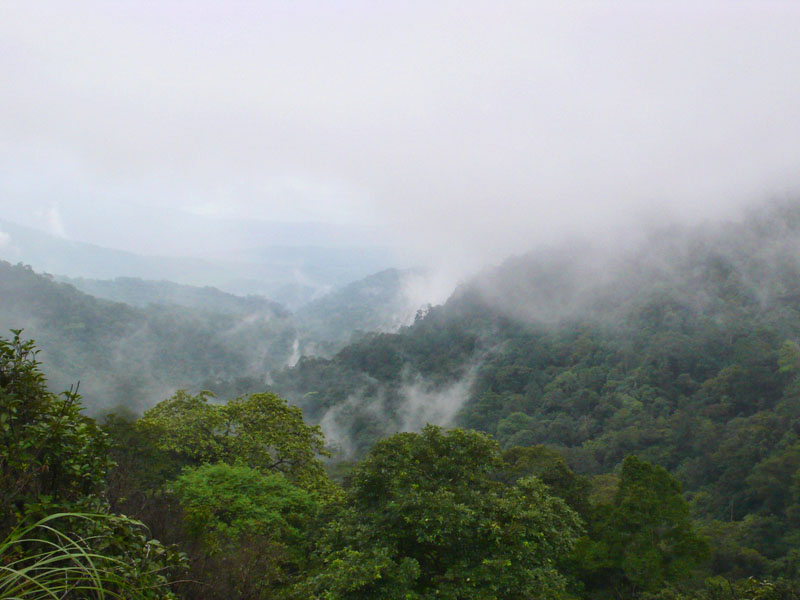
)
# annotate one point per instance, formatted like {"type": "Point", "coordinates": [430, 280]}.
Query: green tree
{"type": "Point", "coordinates": [258, 430]}
{"type": "Point", "coordinates": [552, 469]}
{"type": "Point", "coordinates": [426, 517]}
{"type": "Point", "coordinates": [250, 490]}
{"type": "Point", "coordinates": [52, 457]}
{"type": "Point", "coordinates": [250, 532]}
{"type": "Point", "coordinates": [60, 540]}
{"type": "Point", "coordinates": [644, 540]}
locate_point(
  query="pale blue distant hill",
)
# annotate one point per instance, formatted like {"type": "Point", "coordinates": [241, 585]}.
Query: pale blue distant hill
{"type": "Point", "coordinates": [142, 293]}
{"type": "Point", "coordinates": [291, 275]}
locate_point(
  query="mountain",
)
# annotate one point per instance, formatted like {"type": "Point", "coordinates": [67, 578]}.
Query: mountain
{"type": "Point", "coordinates": [683, 349]}
{"type": "Point", "coordinates": [380, 302]}
{"type": "Point", "coordinates": [52, 254]}
{"type": "Point", "coordinates": [132, 357]}
{"type": "Point", "coordinates": [142, 293]}
{"type": "Point", "coordinates": [131, 342]}
{"type": "Point", "coordinates": [290, 274]}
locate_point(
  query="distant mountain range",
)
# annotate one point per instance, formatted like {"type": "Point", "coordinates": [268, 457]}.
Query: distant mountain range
{"type": "Point", "coordinates": [132, 341]}
{"type": "Point", "coordinates": [291, 275]}
{"type": "Point", "coordinates": [143, 293]}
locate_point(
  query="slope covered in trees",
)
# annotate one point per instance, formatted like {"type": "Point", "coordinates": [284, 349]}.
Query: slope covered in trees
{"type": "Point", "coordinates": [132, 341]}
{"type": "Point", "coordinates": [379, 302]}
{"type": "Point", "coordinates": [630, 429]}
{"type": "Point", "coordinates": [238, 491]}
{"type": "Point", "coordinates": [682, 350]}
{"type": "Point", "coordinates": [142, 293]}
{"type": "Point", "coordinates": [239, 494]}
{"type": "Point", "coordinates": [131, 357]}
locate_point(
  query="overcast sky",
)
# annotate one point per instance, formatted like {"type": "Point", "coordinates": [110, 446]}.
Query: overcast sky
{"type": "Point", "coordinates": [460, 131]}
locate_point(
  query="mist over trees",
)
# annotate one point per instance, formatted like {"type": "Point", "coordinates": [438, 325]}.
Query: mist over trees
{"type": "Point", "coordinates": [681, 350]}
{"type": "Point", "coordinates": [399, 300]}
{"type": "Point", "coordinates": [624, 425]}
{"type": "Point", "coordinates": [133, 342]}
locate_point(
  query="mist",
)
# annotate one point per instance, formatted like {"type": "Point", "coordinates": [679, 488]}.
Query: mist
{"type": "Point", "coordinates": [454, 134]}
{"type": "Point", "coordinates": [385, 410]}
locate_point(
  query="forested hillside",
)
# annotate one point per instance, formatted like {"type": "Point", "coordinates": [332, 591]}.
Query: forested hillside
{"type": "Point", "coordinates": [376, 303]}
{"type": "Point", "coordinates": [629, 427]}
{"type": "Point", "coordinates": [400, 300]}
{"type": "Point", "coordinates": [130, 357]}
{"type": "Point", "coordinates": [682, 350]}
{"type": "Point", "coordinates": [132, 342]}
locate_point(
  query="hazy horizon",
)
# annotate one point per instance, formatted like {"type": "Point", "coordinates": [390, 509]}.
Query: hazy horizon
{"type": "Point", "coordinates": [454, 134]}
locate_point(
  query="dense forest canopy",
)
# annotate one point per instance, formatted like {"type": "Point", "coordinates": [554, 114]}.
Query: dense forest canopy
{"type": "Point", "coordinates": [682, 350]}
{"type": "Point", "coordinates": [626, 426]}
{"type": "Point", "coordinates": [399, 300]}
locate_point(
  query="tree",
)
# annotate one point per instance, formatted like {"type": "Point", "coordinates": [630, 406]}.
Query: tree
{"type": "Point", "coordinates": [259, 430]}
{"type": "Point", "coordinates": [246, 502]}
{"type": "Point", "coordinates": [250, 532]}
{"type": "Point", "coordinates": [644, 540]}
{"type": "Point", "coordinates": [57, 538]}
{"type": "Point", "coordinates": [552, 469]}
{"type": "Point", "coordinates": [52, 457]}
{"type": "Point", "coordinates": [426, 517]}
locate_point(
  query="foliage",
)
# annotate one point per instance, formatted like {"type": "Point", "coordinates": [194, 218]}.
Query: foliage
{"type": "Point", "coordinates": [551, 468]}
{"type": "Point", "coordinates": [644, 540]}
{"type": "Point", "coordinates": [224, 502]}
{"type": "Point", "coordinates": [51, 456]}
{"type": "Point", "coordinates": [140, 468]}
{"type": "Point", "coordinates": [682, 350]}
{"type": "Point", "coordinates": [426, 518]}
{"type": "Point", "coordinates": [259, 430]}
{"type": "Point", "coordinates": [54, 459]}
{"type": "Point", "coordinates": [45, 560]}
{"type": "Point", "coordinates": [252, 530]}
{"type": "Point", "coordinates": [248, 494]}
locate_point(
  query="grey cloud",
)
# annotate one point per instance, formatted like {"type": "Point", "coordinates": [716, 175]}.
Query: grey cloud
{"type": "Point", "coordinates": [424, 405]}
{"type": "Point", "coordinates": [461, 131]}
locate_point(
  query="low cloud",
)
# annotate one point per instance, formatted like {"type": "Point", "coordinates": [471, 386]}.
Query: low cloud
{"type": "Point", "coordinates": [461, 132]}
{"type": "Point", "coordinates": [424, 405]}
{"type": "Point", "coordinates": [52, 221]}
{"type": "Point", "coordinates": [381, 412]}
{"type": "Point", "coordinates": [338, 422]}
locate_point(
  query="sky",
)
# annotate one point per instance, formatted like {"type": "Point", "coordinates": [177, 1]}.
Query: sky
{"type": "Point", "coordinates": [455, 132]}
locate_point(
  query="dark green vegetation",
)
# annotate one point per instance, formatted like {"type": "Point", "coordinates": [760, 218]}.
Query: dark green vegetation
{"type": "Point", "coordinates": [683, 351]}
{"type": "Point", "coordinates": [629, 429]}
{"type": "Point", "coordinates": [238, 493]}
{"type": "Point", "coordinates": [128, 356]}
{"type": "Point", "coordinates": [138, 341]}
{"type": "Point", "coordinates": [58, 536]}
